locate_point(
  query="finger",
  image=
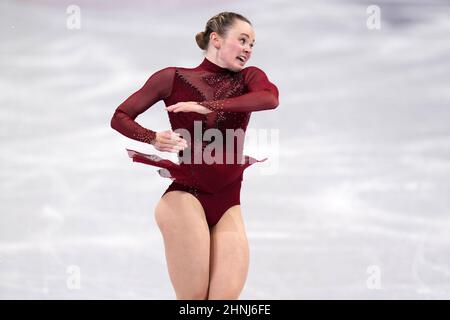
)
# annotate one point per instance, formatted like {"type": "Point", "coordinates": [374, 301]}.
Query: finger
{"type": "Point", "coordinates": [171, 146]}
{"type": "Point", "coordinates": [173, 106]}
{"type": "Point", "coordinates": [175, 136]}
{"type": "Point", "coordinates": [171, 142]}
{"type": "Point", "coordinates": [179, 146]}
{"type": "Point", "coordinates": [166, 142]}
{"type": "Point", "coordinates": [174, 139]}
{"type": "Point", "coordinates": [180, 141]}
{"type": "Point", "coordinates": [166, 134]}
{"type": "Point", "coordinates": [180, 108]}
{"type": "Point", "coordinates": [178, 138]}
{"type": "Point", "coordinates": [166, 145]}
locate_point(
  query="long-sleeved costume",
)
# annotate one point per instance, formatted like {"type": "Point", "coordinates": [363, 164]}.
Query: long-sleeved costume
{"type": "Point", "coordinates": [232, 96]}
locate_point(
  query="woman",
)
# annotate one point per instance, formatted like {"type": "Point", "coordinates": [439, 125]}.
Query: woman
{"type": "Point", "coordinates": [199, 214]}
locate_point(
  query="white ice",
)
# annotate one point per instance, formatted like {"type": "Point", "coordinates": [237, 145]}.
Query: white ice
{"type": "Point", "coordinates": [358, 208]}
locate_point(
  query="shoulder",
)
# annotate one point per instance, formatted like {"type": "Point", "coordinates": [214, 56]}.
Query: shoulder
{"type": "Point", "coordinates": [251, 68]}
{"type": "Point", "coordinates": [253, 73]}
{"type": "Point", "coordinates": [166, 70]}
{"type": "Point", "coordinates": [160, 81]}
{"type": "Point", "coordinates": [162, 75]}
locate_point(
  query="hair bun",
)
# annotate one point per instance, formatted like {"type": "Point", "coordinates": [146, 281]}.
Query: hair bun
{"type": "Point", "coordinates": [220, 23]}
{"type": "Point", "coordinates": [200, 39]}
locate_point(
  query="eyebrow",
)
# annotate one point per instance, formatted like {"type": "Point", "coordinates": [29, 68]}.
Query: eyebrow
{"type": "Point", "coordinates": [248, 36]}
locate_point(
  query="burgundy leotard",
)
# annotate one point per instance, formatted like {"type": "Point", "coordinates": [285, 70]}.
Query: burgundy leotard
{"type": "Point", "coordinates": [231, 95]}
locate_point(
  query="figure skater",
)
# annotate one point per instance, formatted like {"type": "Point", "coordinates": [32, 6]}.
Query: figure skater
{"type": "Point", "coordinates": [199, 214]}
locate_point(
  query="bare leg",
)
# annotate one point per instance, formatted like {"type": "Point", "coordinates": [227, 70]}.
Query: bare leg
{"type": "Point", "coordinates": [229, 256]}
{"type": "Point", "coordinates": [181, 219]}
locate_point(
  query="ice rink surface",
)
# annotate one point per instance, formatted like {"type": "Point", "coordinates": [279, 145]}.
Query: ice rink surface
{"type": "Point", "coordinates": [357, 204]}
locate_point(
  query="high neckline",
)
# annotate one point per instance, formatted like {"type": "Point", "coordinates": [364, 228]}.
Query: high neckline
{"type": "Point", "coordinates": [211, 66]}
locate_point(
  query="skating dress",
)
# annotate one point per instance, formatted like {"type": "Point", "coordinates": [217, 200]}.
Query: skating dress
{"type": "Point", "coordinates": [231, 96]}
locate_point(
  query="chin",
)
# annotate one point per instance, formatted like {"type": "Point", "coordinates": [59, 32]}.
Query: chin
{"type": "Point", "coordinates": [238, 67]}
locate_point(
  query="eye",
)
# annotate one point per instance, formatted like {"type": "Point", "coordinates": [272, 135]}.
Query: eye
{"type": "Point", "coordinates": [251, 45]}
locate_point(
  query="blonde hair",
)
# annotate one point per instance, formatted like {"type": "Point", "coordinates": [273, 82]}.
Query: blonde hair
{"type": "Point", "coordinates": [220, 23]}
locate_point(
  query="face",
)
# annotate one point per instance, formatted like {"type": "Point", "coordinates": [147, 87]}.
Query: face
{"type": "Point", "coordinates": [237, 45]}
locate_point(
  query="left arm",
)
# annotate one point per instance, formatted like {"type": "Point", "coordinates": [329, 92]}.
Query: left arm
{"type": "Point", "coordinates": [262, 95]}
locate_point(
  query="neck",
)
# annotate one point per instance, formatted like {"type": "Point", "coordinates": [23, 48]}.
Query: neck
{"type": "Point", "coordinates": [213, 57]}
{"type": "Point", "coordinates": [213, 66]}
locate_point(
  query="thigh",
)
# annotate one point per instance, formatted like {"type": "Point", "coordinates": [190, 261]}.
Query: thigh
{"type": "Point", "coordinates": [229, 256]}
{"type": "Point", "coordinates": [179, 209]}
{"type": "Point", "coordinates": [180, 217]}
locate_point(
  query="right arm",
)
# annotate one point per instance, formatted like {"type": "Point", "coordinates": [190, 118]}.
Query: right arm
{"type": "Point", "coordinates": [157, 87]}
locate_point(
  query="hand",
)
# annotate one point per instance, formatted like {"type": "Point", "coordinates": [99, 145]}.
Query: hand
{"type": "Point", "coordinates": [169, 141]}
{"type": "Point", "coordinates": [190, 106]}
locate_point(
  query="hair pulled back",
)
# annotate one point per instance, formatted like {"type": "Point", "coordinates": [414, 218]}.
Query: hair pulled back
{"type": "Point", "coordinates": [220, 23]}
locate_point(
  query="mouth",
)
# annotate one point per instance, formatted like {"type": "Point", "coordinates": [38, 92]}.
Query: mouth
{"type": "Point", "coordinates": [242, 59]}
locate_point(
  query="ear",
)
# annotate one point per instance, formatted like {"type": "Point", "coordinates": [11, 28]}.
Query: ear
{"type": "Point", "coordinates": [215, 40]}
